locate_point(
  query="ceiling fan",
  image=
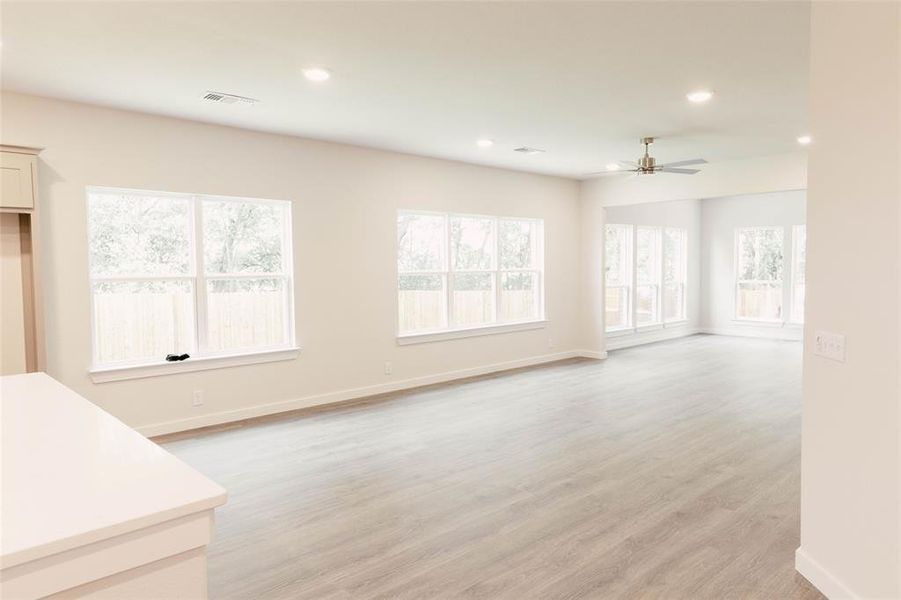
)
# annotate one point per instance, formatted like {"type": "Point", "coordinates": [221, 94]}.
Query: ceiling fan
{"type": "Point", "coordinates": [647, 165]}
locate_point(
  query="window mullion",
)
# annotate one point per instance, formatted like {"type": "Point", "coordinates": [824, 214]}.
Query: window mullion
{"type": "Point", "coordinates": [661, 314]}
{"type": "Point", "coordinates": [200, 291]}
{"type": "Point", "coordinates": [497, 271]}
{"type": "Point", "coordinates": [448, 274]}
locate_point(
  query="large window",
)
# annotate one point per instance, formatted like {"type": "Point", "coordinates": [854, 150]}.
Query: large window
{"type": "Point", "coordinates": [187, 274]}
{"type": "Point", "coordinates": [652, 261]}
{"type": "Point", "coordinates": [618, 277]}
{"type": "Point", "coordinates": [759, 266]}
{"type": "Point", "coordinates": [799, 266]}
{"type": "Point", "coordinates": [463, 271]}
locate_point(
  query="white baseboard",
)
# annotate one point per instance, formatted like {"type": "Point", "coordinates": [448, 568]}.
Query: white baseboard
{"type": "Point", "coordinates": [772, 333]}
{"type": "Point", "coordinates": [648, 337]}
{"type": "Point", "coordinates": [822, 579]}
{"type": "Point", "coordinates": [240, 414]}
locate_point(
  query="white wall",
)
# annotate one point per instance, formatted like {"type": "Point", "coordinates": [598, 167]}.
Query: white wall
{"type": "Point", "coordinates": [685, 214]}
{"type": "Point", "coordinates": [719, 219]}
{"type": "Point", "coordinates": [345, 202]}
{"type": "Point", "coordinates": [850, 466]}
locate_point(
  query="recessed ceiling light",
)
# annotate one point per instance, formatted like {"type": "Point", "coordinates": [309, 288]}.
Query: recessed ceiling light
{"type": "Point", "coordinates": [316, 74]}
{"type": "Point", "coordinates": [699, 96]}
{"type": "Point", "coordinates": [612, 167]}
{"type": "Point", "coordinates": [485, 143]}
{"type": "Point", "coordinates": [804, 139]}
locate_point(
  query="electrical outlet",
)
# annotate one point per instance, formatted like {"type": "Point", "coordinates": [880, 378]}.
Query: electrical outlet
{"type": "Point", "coordinates": [387, 367]}
{"type": "Point", "coordinates": [829, 345]}
{"type": "Point", "coordinates": [197, 400]}
{"type": "Point", "coordinates": [550, 342]}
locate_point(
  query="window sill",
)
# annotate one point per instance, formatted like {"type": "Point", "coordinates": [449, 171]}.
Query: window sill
{"type": "Point", "coordinates": [440, 336]}
{"type": "Point", "coordinates": [204, 363]}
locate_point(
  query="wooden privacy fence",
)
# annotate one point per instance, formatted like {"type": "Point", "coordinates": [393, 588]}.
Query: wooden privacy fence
{"type": "Point", "coordinates": [151, 325]}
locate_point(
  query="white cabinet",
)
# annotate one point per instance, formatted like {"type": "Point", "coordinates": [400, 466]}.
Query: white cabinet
{"type": "Point", "coordinates": [18, 174]}
{"type": "Point", "coordinates": [21, 349]}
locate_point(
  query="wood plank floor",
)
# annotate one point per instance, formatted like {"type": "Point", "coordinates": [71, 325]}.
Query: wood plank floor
{"type": "Point", "coordinates": [667, 471]}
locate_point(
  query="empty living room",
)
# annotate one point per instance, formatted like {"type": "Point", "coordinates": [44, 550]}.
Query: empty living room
{"type": "Point", "coordinates": [421, 300]}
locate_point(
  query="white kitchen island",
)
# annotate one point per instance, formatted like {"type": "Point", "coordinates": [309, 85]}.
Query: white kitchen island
{"type": "Point", "coordinates": [89, 508]}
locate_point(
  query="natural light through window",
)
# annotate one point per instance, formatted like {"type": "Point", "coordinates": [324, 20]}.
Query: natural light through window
{"type": "Point", "coordinates": [674, 267]}
{"type": "Point", "coordinates": [459, 272]}
{"type": "Point", "coordinates": [647, 280]}
{"type": "Point", "coordinates": [618, 277]}
{"type": "Point", "coordinates": [759, 265]}
{"type": "Point", "coordinates": [799, 265]}
{"type": "Point", "coordinates": [652, 261]}
{"type": "Point", "coordinates": [187, 274]}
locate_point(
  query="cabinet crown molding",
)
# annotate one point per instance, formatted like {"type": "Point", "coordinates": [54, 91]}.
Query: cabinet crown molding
{"type": "Point", "coordinates": [20, 149]}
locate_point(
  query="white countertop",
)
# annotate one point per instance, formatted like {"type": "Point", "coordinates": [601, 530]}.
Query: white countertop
{"type": "Point", "coordinates": [73, 474]}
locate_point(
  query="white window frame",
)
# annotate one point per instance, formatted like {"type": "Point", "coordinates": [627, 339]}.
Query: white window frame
{"type": "Point", "coordinates": [496, 325]}
{"type": "Point", "coordinates": [661, 322]}
{"type": "Point", "coordinates": [737, 282]}
{"type": "Point", "coordinates": [200, 359]}
{"type": "Point", "coordinates": [796, 270]}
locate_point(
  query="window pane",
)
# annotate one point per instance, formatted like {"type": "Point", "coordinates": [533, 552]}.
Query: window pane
{"type": "Point", "coordinates": [674, 301]}
{"type": "Point", "coordinates": [421, 242]}
{"type": "Point", "coordinates": [473, 298]}
{"type": "Point", "coordinates": [519, 296]}
{"type": "Point", "coordinates": [674, 256]}
{"type": "Point", "coordinates": [246, 313]}
{"type": "Point", "coordinates": [646, 310]}
{"type": "Point", "coordinates": [421, 302]}
{"type": "Point", "coordinates": [135, 235]}
{"type": "Point", "coordinates": [616, 307]}
{"type": "Point", "coordinates": [759, 301]}
{"type": "Point", "coordinates": [648, 255]}
{"type": "Point", "coordinates": [618, 241]}
{"type": "Point", "coordinates": [142, 320]}
{"type": "Point", "coordinates": [472, 243]}
{"type": "Point", "coordinates": [760, 254]}
{"type": "Point", "coordinates": [518, 244]}
{"type": "Point", "coordinates": [243, 237]}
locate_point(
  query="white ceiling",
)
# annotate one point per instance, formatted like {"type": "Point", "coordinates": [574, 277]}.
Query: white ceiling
{"type": "Point", "coordinates": [580, 80]}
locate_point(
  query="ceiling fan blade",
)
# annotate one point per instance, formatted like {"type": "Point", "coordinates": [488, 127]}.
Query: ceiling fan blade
{"type": "Point", "coordinates": [602, 173]}
{"type": "Point", "coordinates": [685, 163]}
{"type": "Point", "coordinates": [680, 171]}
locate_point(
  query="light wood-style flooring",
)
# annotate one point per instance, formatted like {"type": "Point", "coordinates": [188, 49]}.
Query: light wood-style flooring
{"type": "Point", "coordinates": [667, 471]}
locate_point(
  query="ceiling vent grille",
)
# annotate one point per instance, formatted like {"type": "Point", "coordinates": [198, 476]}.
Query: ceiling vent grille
{"type": "Point", "coordinates": [528, 150]}
{"type": "Point", "coordinates": [222, 98]}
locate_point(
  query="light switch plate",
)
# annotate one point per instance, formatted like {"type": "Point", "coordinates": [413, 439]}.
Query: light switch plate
{"type": "Point", "coordinates": [829, 345]}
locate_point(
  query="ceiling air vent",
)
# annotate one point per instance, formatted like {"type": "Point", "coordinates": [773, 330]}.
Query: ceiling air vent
{"type": "Point", "coordinates": [527, 150]}
{"type": "Point", "coordinates": [222, 98]}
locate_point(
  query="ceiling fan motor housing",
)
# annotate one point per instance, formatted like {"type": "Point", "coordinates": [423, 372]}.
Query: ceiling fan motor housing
{"type": "Point", "coordinates": [646, 163]}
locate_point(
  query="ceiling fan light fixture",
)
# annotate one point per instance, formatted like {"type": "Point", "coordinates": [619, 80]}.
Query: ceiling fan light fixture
{"type": "Point", "coordinates": [699, 96]}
